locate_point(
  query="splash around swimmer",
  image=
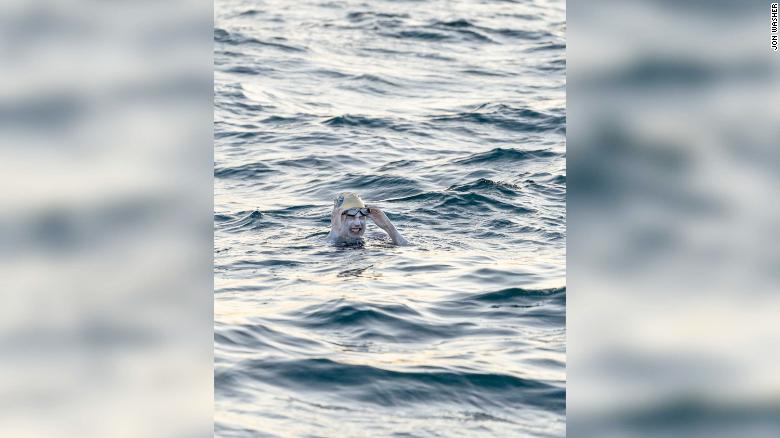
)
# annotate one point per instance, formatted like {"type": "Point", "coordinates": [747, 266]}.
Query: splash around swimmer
{"type": "Point", "coordinates": [348, 221]}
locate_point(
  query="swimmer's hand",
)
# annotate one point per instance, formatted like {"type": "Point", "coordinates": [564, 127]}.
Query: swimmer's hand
{"type": "Point", "coordinates": [380, 219]}
{"type": "Point", "coordinates": [339, 227]}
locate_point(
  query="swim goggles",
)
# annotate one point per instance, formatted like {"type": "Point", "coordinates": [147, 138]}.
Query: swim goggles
{"type": "Point", "coordinates": [356, 211]}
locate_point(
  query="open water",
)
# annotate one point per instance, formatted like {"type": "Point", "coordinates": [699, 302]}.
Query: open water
{"type": "Point", "coordinates": [451, 116]}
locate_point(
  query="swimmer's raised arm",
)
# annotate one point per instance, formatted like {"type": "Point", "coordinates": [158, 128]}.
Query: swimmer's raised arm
{"type": "Point", "coordinates": [336, 225]}
{"type": "Point", "coordinates": [381, 220]}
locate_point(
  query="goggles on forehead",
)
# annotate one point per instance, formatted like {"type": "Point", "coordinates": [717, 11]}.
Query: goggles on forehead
{"type": "Point", "coordinates": [356, 211]}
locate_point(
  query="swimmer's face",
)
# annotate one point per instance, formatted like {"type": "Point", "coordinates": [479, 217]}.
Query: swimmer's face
{"type": "Point", "coordinates": [355, 226]}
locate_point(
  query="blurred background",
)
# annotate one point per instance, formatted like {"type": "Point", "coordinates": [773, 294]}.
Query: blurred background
{"type": "Point", "coordinates": [672, 221]}
{"type": "Point", "coordinates": [105, 227]}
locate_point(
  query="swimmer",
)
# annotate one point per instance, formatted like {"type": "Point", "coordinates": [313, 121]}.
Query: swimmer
{"type": "Point", "coordinates": [348, 221]}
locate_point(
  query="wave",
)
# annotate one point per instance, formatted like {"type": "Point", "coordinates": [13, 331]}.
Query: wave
{"type": "Point", "coordinates": [522, 34]}
{"type": "Point", "coordinates": [552, 66]}
{"type": "Point", "coordinates": [255, 220]}
{"type": "Point", "coordinates": [395, 26]}
{"type": "Point", "coordinates": [460, 23]}
{"type": "Point", "coordinates": [540, 307]}
{"type": "Point", "coordinates": [482, 72]}
{"type": "Point", "coordinates": [249, 13]}
{"type": "Point", "coordinates": [368, 83]}
{"type": "Point", "coordinates": [251, 337]}
{"type": "Point", "coordinates": [470, 26]}
{"type": "Point", "coordinates": [322, 161]}
{"type": "Point", "coordinates": [463, 28]}
{"type": "Point", "coordinates": [264, 263]}
{"type": "Point", "coordinates": [234, 38]}
{"type": "Point", "coordinates": [392, 388]}
{"type": "Point", "coordinates": [462, 203]}
{"type": "Point", "coordinates": [293, 210]}
{"type": "Point", "coordinates": [508, 118]}
{"type": "Point", "coordinates": [370, 186]}
{"type": "Point", "coordinates": [397, 164]}
{"type": "Point", "coordinates": [245, 70]}
{"type": "Point", "coordinates": [558, 180]}
{"type": "Point", "coordinates": [362, 16]}
{"type": "Point", "coordinates": [503, 155]}
{"type": "Point", "coordinates": [395, 323]}
{"type": "Point", "coordinates": [438, 33]}
{"type": "Point", "coordinates": [286, 120]}
{"type": "Point", "coordinates": [429, 55]}
{"type": "Point", "coordinates": [308, 162]}
{"type": "Point", "coordinates": [357, 121]}
{"type": "Point", "coordinates": [513, 294]}
{"type": "Point", "coordinates": [230, 91]}
{"type": "Point", "coordinates": [548, 46]}
{"type": "Point", "coordinates": [487, 185]}
{"type": "Point", "coordinates": [419, 34]}
{"type": "Point", "coordinates": [240, 108]}
{"type": "Point", "coordinates": [551, 191]}
{"type": "Point", "coordinates": [244, 171]}
{"type": "Point", "coordinates": [221, 133]}
{"type": "Point", "coordinates": [242, 221]}
{"type": "Point", "coordinates": [373, 79]}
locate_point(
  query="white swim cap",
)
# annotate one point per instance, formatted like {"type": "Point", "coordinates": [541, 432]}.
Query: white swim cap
{"type": "Point", "coordinates": [348, 200]}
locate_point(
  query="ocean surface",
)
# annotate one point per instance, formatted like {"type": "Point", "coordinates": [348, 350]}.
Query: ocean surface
{"type": "Point", "coordinates": [450, 115]}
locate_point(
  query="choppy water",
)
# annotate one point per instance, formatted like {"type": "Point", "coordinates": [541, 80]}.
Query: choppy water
{"type": "Point", "coordinates": [451, 116]}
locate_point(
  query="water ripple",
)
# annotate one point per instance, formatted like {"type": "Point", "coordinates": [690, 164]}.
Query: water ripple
{"type": "Point", "coordinates": [385, 387]}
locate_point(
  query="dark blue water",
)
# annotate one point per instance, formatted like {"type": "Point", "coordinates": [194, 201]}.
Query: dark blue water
{"type": "Point", "coordinates": [451, 116]}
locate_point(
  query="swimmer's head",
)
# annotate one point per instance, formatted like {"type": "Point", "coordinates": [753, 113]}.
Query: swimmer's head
{"type": "Point", "coordinates": [347, 200]}
{"type": "Point", "coordinates": [353, 214]}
